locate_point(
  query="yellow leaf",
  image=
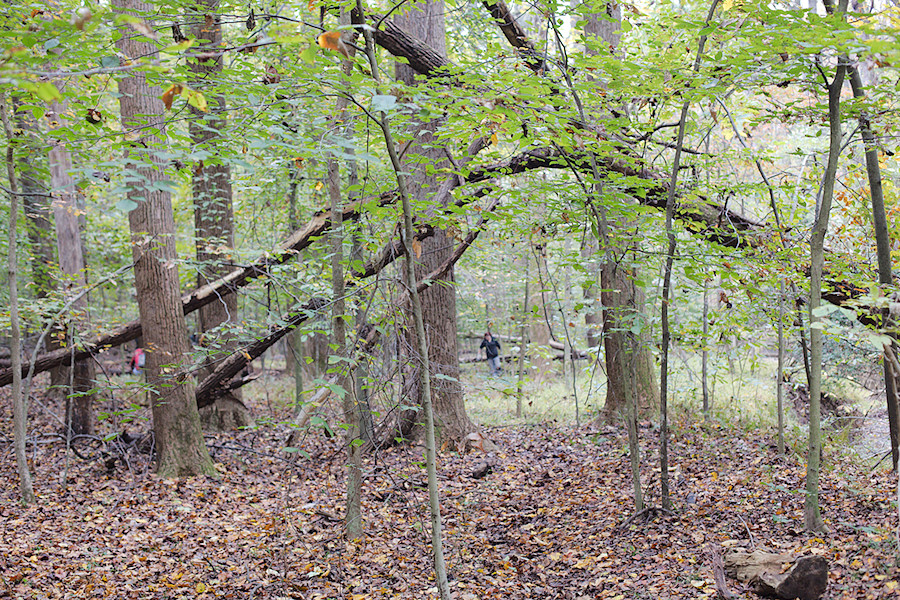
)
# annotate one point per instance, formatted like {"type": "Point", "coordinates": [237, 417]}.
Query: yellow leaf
{"type": "Point", "coordinates": [493, 138]}
{"type": "Point", "coordinates": [319, 185]}
{"type": "Point", "coordinates": [195, 99]}
{"type": "Point", "coordinates": [201, 588]}
{"type": "Point", "coordinates": [584, 563]}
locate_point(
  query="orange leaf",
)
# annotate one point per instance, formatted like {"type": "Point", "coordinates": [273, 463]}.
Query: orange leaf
{"type": "Point", "coordinates": [331, 40]}
{"type": "Point", "coordinates": [169, 95]}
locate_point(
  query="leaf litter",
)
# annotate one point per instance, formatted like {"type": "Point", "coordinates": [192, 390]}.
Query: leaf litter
{"type": "Point", "coordinates": [550, 520]}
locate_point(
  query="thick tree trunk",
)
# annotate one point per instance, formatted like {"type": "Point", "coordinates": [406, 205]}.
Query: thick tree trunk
{"type": "Point", "coordinates": [621, 301]}
{"type": "Point", "coordinates": [214, 222]}
{"type": "Point", "coordinates": [181, 450]}
{"type": "Point", "coordinates": [79, 402]}
{"type": "Point", "coordinates": [423, 156]}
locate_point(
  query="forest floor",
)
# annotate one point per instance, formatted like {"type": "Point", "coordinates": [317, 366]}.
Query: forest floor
{"type": "Point", "coordinates": [550, 521]}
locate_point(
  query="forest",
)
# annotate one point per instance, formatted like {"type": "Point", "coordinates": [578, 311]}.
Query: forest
{"type": "Point", "coordinates": [332, 299]}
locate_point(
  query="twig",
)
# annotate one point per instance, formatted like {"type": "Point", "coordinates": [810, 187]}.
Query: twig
{"type": "Point", "coordinates": [749, 535]}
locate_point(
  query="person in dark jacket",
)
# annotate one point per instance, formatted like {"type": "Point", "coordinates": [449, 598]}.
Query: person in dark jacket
{"type": "Point", "coordinates": [491, 352]}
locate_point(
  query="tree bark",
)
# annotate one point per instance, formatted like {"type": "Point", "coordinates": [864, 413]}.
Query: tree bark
{"type": "Point", "coordinates": [214, 219]}
{"type": "Point", "coordinates": [424, 156]}
{"type": "Point", "coordinates": [181, 450]}
{"type": "Point", "coordinates": [622, 300]}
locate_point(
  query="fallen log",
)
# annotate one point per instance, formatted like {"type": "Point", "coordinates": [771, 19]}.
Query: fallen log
{"type": "Point", "coordinates": [775, 575]}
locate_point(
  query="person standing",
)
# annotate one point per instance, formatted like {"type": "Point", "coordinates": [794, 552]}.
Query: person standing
{"type": "Point", "coordinates": [491, 352]}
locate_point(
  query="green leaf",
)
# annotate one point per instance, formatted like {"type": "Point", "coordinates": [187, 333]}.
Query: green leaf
{"type": "Point", "coordinates": [823, 311]}
{"type": "Point", "coordinates": [47, 92]}
{"type": "Point", "coordinates": [879, 341]}
{"type": "Point", "coordinates": [383, 103]}
{"type": "Point", "coordinates": [126, 205]}
{"type": "Point", "coordinates": [309, 54]}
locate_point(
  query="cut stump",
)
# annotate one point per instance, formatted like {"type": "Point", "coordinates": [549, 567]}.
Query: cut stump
{"type": "Point", "coordinates": [784, 576]}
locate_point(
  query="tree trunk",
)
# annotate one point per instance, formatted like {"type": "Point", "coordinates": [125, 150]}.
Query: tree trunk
{"type": "Point", "coordinates": [181, 450]}
{"type": "Point", "coordinates": [408, 237]}
{"type": "Point", "coordinates": [79, 402]}
{"type": "Point", "coordinates": [20, 402]}
{"type": "Point", "coordinates": [593, 314]}
{"type": "Point", "coordinates": [353, 520]}
{"type": "Point", "coordinates": [622, 314]}
{"type": "Point", "coordinates": [539, 333]}
{"type": "Point", "coordinates": [214, 220]}
{"type": "Point", "coordinates": [704, 353]}
{"type": "Point", "coordinates": [883, 246]}
{"type": "Point", "coordinates": [779, 389]}
{"type": "Point", "coordinates": [667, 286]}
{"type": "Point", "coordinates": [812, 513]}
{"type": "Point", "coordinates": [622, 301]}
{"type": "Point", "coordinates": [523, 344]}
{"type": "Point", "coordinates": [425, 21]}
{"type": "Point", "coordinates": [294, 353]}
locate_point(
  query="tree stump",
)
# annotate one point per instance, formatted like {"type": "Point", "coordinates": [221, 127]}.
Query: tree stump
{"type": "Point", "coordinates": [782, 576]}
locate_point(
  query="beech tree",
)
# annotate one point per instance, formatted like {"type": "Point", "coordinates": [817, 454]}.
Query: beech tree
{"type": "Point", "coordinates": [425, 156]}
{"type": "Point", "coordinates": [181, 450]}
